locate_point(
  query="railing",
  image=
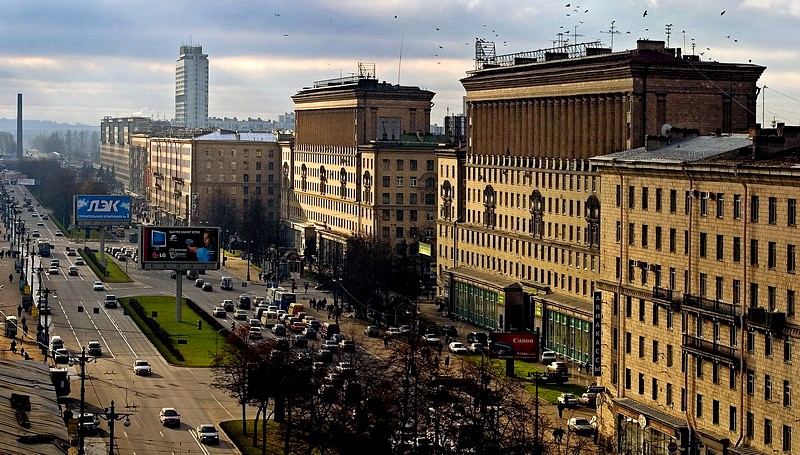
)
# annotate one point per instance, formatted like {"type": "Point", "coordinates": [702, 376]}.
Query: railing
{"type": "Point", "coordinates": [709, 347]}
{"type": "Point", "coordinates": [663, 293]}
{"type": "Point", "coordinates": [772, 320]}
{"type": "Point", "coordinates": [712, 306]}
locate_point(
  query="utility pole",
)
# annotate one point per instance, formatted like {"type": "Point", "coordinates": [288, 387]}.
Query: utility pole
{"type": "Point", "coordinates": [111, 416]}
{"type": "Point", "coordinates": [537, 442]}
{"type": "Point", "coordinates": [82, 360]}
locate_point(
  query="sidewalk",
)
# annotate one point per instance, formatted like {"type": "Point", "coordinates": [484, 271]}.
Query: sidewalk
{"type": "Point", "coordinates": [10, 299]}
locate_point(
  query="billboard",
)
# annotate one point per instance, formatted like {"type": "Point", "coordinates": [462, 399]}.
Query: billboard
{"type": "Point", "coordinates": [179, 248]}
{"type": "Point", "coordinates": [98, 210]}
{"type": "Point", "coordinates": [517, 346]}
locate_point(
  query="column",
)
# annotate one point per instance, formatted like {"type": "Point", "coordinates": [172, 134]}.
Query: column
{"type": "Point", "coordinates": [570, 151]}
{"type": "Point", "coordinates": [601, 125]}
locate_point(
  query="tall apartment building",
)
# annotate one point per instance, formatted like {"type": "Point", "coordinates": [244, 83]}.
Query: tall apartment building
{"type": "Point", "coordinates": [520, 211]}
{"type": "Point", "coordinates": [215, 179]}
{"type": "Point", "coordinates": [699, 283]}
{"type": "Point", "coordinates": [360, 163]}
{"type": "Point", "coordinates": [191, 88]}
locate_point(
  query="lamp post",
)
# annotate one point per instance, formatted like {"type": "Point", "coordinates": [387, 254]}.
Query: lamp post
{"type": "Point", "coordinates": [112, 416]}
{"type": "Point", "coordinates": [216, 339]}
{"type": "Point", "coordinates": [249, 244]}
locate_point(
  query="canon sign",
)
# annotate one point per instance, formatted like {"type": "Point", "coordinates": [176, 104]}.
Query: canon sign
{"type": "Point", "coordinates": [517, 346]}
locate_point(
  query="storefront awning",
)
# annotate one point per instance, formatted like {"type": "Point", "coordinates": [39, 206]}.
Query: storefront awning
{"type": "Point", "coordinates": [486, 279]}
{"type": "Point", "coordinates": [662, 422]}
{"type": "Point", "coordinates": [570, 303]}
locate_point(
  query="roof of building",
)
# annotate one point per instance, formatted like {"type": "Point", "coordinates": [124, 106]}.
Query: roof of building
{"type": "Point", "coordinates": [47, 433]}
{"type": "Point", "coordinates": [694, 148]}
{"type": "Point", "coordinates": [234, 136]}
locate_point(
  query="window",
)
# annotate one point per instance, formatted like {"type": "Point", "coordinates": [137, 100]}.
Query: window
{"type": "Point", "coordinates": [641, 383]}
{"type": "Point", "coordinates": [412, 198]}
{"type": "Point", "coordinates": [772, 298]}
{"type": "Point", "coordinates": [787, 393]}
{"type": "Point", "coordinates": [385, 198]}
{"type": "Point", "coordinates": [644, 198]}
{"type": "Point", "coordinates": [658, 199]}
{"type": "Point", "coordinates": [412, 165]}
{"type": "Point", "coordinates": [386, 181]}
{"type": "Point", "coordinates": [628, 378]}
{"type": "Point", "coordinates": [791, 264]}
{"type": "Point", "coordinates": [767, 387]}
{"type": "Point", "coordinates": [751, 382]}
{"type": "Point", "coordinates": [699, 405]}
{"type": "Point", "coordinates": [737, 292]}
{"type": "Point", "coordinates": [772, 254]}
{"type": "Point", "coordinates": [385, 215]}
{"type": "Point", "coordinates": [791, 212]}
{"type": "Point", "coordinates": [669, 394]}
{"type": "Point", "coordinates": [386, 164]}
{"type": "Point", "coordinates": [398, 198]}
{"type": "Point", "coordinates": [720, 206]}
{"type": "Point", "coordinates": [767, 431]}
{"type": "Point", "coordinates": [715, 412]}
{"type": "Point", "coordinates": [631, 233]}
{"type": "Point", "coordinates": [398, 233]}
{"type": "Point", "coordinates": [772, 208]}
{"type": "Point", "coordinates": [732, 421]}
{"type": "Point", "coordinates": [627, 342]}
{"type": "Point", "coordinates": [412, 182]}
{"type": "Point", "coordinates": [673, 201]}
{"type": "Point", "coordinates": [628, 305]}
{"type": "Point", "coordinates": [673, 234]}
{"type": "Point", "coordinates": [655, 351]}
{"type": "Point", "coordinates": [751, 341]}
{"type": "Point", "coordinates": [753, 252]}
{"type": "Point", "coordinates": [787, 438]}
{"type": "Point", "coordinates": [641, 310]}
{"type": "Point", "coordinates": [399, 215]}
{"type": "Point", "coordinates": [644, 236]}
{"type": "Point", "coordinates": [703, 244]}
{"type": "Point", "coordinates": [750, 424]}
{"type": "Point", "coordinates": [790, 302]}
{"type": "Point", "coordinates": [669, 355]}
{"type": "Point", "coordinates": [655, 314]}
{"type": "Point", "coordinates": [754, 209]}
{"type": "Point", "coordinates": [619, 196]}
{"type": "Point", "coordinates": [658, 238]}
{"type": "Point", "coordinates": [698, 364]}
{"type": "Point", "coordinates": [687, 202]}
{"type": "Point", "coordinates": [768, 344]}
{"type": "Point", "coordinates": [737, 249]}
{"type": "Point", "coordinates": [399, 165]}
{"type": "Point", "coordinates": [631, 197]}
{"type": "Point", "coordinates": [399, 182]}
{"type": "Point", "coordinates": [720, 247]}
{"type": "Point", "coordinates": [669, 319]}
{"type": "Point", "coordinates": [619, 231]}
{"type": "Point", "coordinates": [641, 347]}
{"type": "Point", "coordinates": [654, 389]}
{"type": "Point", "coordinates": [704, 204]}
{"type": "Point", "coordinates": [429, 165]}
{"type": "Point", "coordinates": [737, 206]}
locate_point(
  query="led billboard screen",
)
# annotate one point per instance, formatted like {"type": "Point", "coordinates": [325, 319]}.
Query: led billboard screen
{"type": "Point", "coordinates": [517, 346]}
{"type": "Point", "coordinates": [179, 248]}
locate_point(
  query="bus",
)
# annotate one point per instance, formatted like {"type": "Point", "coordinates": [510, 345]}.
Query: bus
{"type": "Point", "coordinates": [44, 248]}
{"type": "Point", "coordinates": [282, 298]}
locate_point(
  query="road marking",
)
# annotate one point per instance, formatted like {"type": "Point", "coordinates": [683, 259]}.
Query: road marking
{"type": "Point", "coordinates": [191, 371]}
{"type": "Point", "coordinates": [197, 440]}
{"type": "Point", "coordinates": [100, 333]}
{"type": "Point", "coordinates": [119, 330]}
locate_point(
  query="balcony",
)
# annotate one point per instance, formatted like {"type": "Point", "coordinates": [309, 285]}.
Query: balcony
{"type": "Point", "coordinates": [712, 307]}
{"type": "Point", "coordinates": [667, 295]}
{"type": "Point", "coordinates": [709, 349]}
{"type": "Point", "coordinates": [770, 320]}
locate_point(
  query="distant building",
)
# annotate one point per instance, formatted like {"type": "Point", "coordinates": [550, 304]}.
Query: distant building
{"type": "Point", "coordinates": [191, 88]}
{"type": "Point", "coordinates": [117, 149]}
{"type": "Point", "coordinates": [362, 163]}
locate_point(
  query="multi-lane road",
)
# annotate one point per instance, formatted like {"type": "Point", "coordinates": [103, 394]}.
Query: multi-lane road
{"type": "Point", "coordinates": [78, 316]}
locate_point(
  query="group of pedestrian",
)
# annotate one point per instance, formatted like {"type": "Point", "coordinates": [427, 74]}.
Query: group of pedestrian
{"type": "Point", "coordinates": [318, 305]}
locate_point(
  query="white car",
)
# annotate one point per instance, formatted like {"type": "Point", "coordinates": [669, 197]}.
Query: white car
{"type": "Point", "coordinates": [169, 417]}
{"type": "Point", "coordinates": [207, 434]}
{"type": "Point", "coordinates": [581, 426]}
{"type": "Point", "coordinates": [98, 286]}
{"type": "Point", "coordinates": [59, 233]}
{"type": "Point", "coordinates": [568, 400]}
{"type": "Point", "coordinates": [457, 348]}
{"type": "Point", "coordinates": [142, 367]}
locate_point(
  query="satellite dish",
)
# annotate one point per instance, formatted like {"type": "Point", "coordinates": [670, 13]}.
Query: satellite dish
{"type": "Point", "coordinates": [665, 129]}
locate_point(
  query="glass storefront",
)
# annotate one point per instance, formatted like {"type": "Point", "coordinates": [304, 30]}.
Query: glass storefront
{"type": "Point", "coordinates": [633, 440]}
{"type": "Point", "coordinates": [569, 336]}
{"type": "Point", "coordinates": [476, 305]}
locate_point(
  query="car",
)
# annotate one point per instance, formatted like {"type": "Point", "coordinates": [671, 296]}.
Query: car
{"type": "Point", "coordinates": [319, 368]}
{"type": "Point", "coordinates": [110, 301]}
{"type": "Point", "coordinates": [372, 331]}
{"type": "Point", "coordinates": [219, 312]}
{"type": "Point", "coordinates": [59, 234]}
{"type": "Point", "coordinates": [88, 423]}
{"type": "Point", "coordinates": [255, 333]}
{"type": "Point", "coordinates": [336, 378]}
{"type": "Point", "coordinates": [279, 330]}
{"type": "Point", "coordinates": [310, 333]}
{"type": "Point", "coordinates": [323, 355]}
{"type": "Point", "coordinates": [347, 346]}
{"type": "Point", "coordinates": [35, 215]}
{"type": "Point", "coordinates": [581, 426]}
{"type": "Point", "coordinates": [61, 356]}
{"type": "Point", "coordinates": [98, 286]}
{"type": "Point", "coordinates": [142, 367]}
{"type": "Point", "coordinates": [244, 301]}
{"type": "Point", "coordinates": [558, 367]}
{"type": "Point", "coordinates": [393, 332]}
{"type": "Point", "coordinates": [550, 378]}
{"type": "Point", "coordinates": [240, 315]}
{"type": "Point", "coordinates": [53, 270]}
{"type": "Point", "coordinates": [208, 287]}
{"type": "Point", "coordinates": [299, 340]}
{"type": "Point", "coordinates": [55, 262]}
{"type": "Point", "coordinates": [431, 339]}
{"type": "Point", "coordinates": [207, 434]}
{"type": "Point", "coordinates": [549, 357]}
{"type": "Point", "coordinates": [476, 348]}
{"type": "Point", "coordinates": [589, 398]}
{"type": "Point", "coordinates": [331, 345]}
{"type": "Point", "coordinates": [198, 283]}
{"type": "Point", "coordinates": [457, 348]}
{"type": "Point", "coordinates": [72, 253]}
{"type": "Point", "coordinates": [40, 223]}
{"type": "Point", "coordinates": [44, 216]}
{"type": "Point", "coordinates": [228, 305]}
{"type": "Point", "coordinates": [315, 324]}
{"type": "Point", "coordinates": [94, 349]}
{"type": "Point", "coordinates": [36, 234]}
{"type": "Point", "coordinates": [568, 400]}
{"type": "Point", "coordinates": [450, 330]}
{"type": "Point", "coordinates": [56, 343]}
{"type": "Point", "coordinates": [79, 261]}
{"type": "Point", "coordinates": [346, 368]}
{"type": "Point", "coordinates": [169, 417]}
{"type": "Point", "coordinates": [252, 322]}
{"type": "Point", "coordinates": [73, 271]}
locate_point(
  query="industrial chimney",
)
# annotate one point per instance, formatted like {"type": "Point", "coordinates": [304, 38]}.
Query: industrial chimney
{"type": "Point", "coordinates": [19, 126]}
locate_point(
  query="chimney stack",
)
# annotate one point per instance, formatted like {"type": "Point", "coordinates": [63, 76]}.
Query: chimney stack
{"type": "Point", "coordinates": [19, 126]}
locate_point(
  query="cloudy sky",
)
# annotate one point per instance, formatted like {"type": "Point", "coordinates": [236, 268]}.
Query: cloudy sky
{"type": "Point", "coordinates": [78, 61]}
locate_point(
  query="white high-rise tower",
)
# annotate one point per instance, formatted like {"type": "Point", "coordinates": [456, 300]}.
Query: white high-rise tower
{"type": "Point", "coordinates": [191, 87]}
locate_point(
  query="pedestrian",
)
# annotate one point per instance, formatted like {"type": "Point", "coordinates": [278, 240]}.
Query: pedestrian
{"type": "Point", "coordinates": [305, 287]}
{"type": "Point", "coordinates": [10, 277]}
{"type": "Point", "coordinates": [14, 346]}
{"type": "Point", "coordinates": [22, 352]}
{"type": "Point", "coordinates": [386, 341]}
{"type": "Point", "coordinates": [580, 367]}
{"type": "Point", "coordinates": [560, 410]}
{"type": "Point", "coordinates": [19, 310]}
{"type": "Point", "coordinates": [24, 320]}
{"type": "Point", "coordinates": [447, 361]}
{"type": "Point", "coordinates": [558, 433]}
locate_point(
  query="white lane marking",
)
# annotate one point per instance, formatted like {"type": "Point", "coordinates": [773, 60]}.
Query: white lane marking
{"type": "Point", "coordinates": [197, 440]}
{"type": "Point", "coordinates": [99, 333]}
{"type": "Point", "coordinates": [224, 408]}
{"type": "Point", "coordinates": [119, 330]}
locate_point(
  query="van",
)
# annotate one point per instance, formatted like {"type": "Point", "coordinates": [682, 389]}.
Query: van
{"type": "Point", "coordinates": [269, 318]}
{"type": "Point", "coordinates": [192, 274]}
{"type": "Point", "coordinates": [330, 329]}
{"type": "Point", "coordinates": [226, 283]}
{"type": "Point", "coordinates": [295, 308]}
{"type": "Point", "coordinates": [56, 343]}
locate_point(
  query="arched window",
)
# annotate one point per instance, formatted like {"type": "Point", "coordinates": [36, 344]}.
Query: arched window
{"type": "Point", "coordinates": [430, 183]}
{"type": "Point", "coordinates": [537, 214]}
{"type": "Point", "coordinates": [447, 201]}
{"type": "Point", "coordinates": [367, 183]}
{"type": "Point", "coordinates": [286, 175]}
{"type": "Point", "coordinates": [343, 183]}
{"type": "Point", "coordinates": [303, 177]}
{"type": "Point", "coordinates": [489, 204]}
{"type": "Point", "coordinates": [323, 180]}
{"type": "Point", "coordinates": [592, 212]}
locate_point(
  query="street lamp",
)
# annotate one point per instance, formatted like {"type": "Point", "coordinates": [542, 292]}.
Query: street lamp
{"type": "Point", "coordinates": [249, 244]}
{"type": "Point", "coordinates": [216, 339]}
{"type": "Point", "coordinates": [111, 416]}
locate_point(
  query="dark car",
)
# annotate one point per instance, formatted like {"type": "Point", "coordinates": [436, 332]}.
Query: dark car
{"type": "Point", "coordinates": [558, 367]}
{"type": "Point", "coordinates": [208, 287]}
{"type": "Point", "coordinates": [300, 341]}
{"type": "Point", "coordinates": [323, 355]}
{"type": "Point", "coordinates": [450, 330]}
{"type": "Point", "coordinates": [589, 398]}
{"type": "Point", "coordinates": [244, 302]}
{"type": "Point", "coordinates": [478, 337]}
{"type": "Point", "coordinates": [372, 331]}
{"type": "Point", "coordinates": [279, 330]}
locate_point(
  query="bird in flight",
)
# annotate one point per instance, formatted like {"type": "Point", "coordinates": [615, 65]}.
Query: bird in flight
{"type": "Point", "coordinates": [645, 13]}
{"type": "Point", "coordinates": [722, 13]}
{"type": "Point", "coordinates": [277, 14]}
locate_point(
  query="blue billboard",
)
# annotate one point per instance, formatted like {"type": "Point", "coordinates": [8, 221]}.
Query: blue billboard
{"type": "Point", "coordinates": [102, 209]}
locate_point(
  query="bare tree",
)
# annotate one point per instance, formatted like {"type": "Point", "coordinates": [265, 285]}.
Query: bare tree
{"type": "Point", "coordinates": [233, 367]}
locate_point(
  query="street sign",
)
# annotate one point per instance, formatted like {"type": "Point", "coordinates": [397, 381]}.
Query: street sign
{"type": "Point", "coordinates": [672, 447]}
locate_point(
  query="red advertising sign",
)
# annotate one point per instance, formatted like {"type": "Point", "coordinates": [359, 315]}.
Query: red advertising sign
{"type": "Point", "coordinates": [517, 346]}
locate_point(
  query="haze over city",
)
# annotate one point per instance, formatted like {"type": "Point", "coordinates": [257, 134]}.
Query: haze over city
{"type": "Point", "coordinates": [78, 62]}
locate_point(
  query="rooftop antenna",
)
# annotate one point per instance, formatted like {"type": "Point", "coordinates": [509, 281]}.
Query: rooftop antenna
{"type": "Point", "coordinates": [669, 32]}
{"type": "Point", "coordinates": [612, 31]}
{"type": "Point", "coordinates": [575, 35]}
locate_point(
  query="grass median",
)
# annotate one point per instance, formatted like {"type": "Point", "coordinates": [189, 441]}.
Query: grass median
{"type": "Point", "coordinates": [201, 344]}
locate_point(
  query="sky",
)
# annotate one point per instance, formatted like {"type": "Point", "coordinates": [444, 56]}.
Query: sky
{"type": "Point", "coordinates": [82, 60]}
